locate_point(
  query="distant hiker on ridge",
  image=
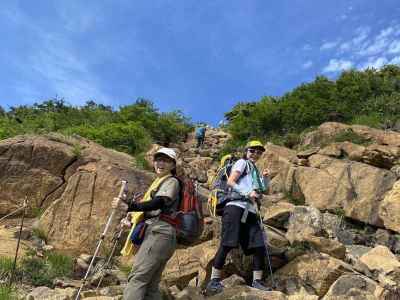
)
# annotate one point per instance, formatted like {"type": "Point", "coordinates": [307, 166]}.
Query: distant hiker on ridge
{"type": "Point", "coordinates": [200, 134]}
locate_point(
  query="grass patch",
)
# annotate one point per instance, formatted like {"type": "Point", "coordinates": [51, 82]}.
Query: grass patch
{"type": "Point", "coordinates": [37, 212]}
{"type": "Point", "coordinates": [351, 136]}
{"type": "Point", "coordinates": [39, 271]}
{"type": "Point", "coordinates": [232, 147]}
{"type": "Point", "coordinates": [40, 234]}
{"type": "Point", "coordinates": [339, 212]}
{"type": "Point", "coordinates": [6, 265]}
{"type": "Point", "coordinates": [372, 120]}
{"type": "Point", "coordinates": [297, 200]}
{"type": "Point", "coordinates": [7, 292]}
{"type": "Point", "coordinates": [60, 265]}
{"type": "Point", "coordinates": [77, 150]}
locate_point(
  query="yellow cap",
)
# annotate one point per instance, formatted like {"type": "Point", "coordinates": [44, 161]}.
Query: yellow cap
{"type": "Point", "coordinates": [255, 144]}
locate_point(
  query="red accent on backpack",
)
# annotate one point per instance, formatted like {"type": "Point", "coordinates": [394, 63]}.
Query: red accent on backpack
{"type": "Point", "coordinates": [188, 221]}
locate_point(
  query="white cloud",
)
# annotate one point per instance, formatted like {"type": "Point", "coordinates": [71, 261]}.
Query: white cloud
{"type": "Point", "coordinates": [375, 63]}
{"type": "Point", "coordinates": [328, 45]}
{"type": "Point", "coordinates": [366, 50]}
{"type": "Point", "coordinates": [394, 47]}
{"type": "Point", "coordinates": [307, 47]}
{"type": "Point", "coordinates": [337, 65]}
{"type": "Point", "coordinates": [380, 44]}
{"type": "Point", "coordinates": [361, 35]}
{"type": "Point", "coordinates": [345, 46]}
{"type": "Point", "coordinates": [52, 60]}
{"type": "Point", "coordinates": [307, 64]}
{"type": "Point", "coordinates": [395, 60]}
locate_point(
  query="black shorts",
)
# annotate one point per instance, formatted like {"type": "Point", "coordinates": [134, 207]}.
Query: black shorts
{"type": "Point", "coordinates": [248, 235]}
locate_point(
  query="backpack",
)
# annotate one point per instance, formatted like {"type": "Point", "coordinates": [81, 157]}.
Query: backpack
{"type": "Point", "coordinates": [188, 220]}
{"type": "Point", "coordinates": [200, 132]}
{"type": "Point", "coordinates": [220, 191]}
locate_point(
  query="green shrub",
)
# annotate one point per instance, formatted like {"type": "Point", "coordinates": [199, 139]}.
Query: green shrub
{"type": "Point", "coordinates": [351, 136]}
{"type": "Point", "coordinates": [6, 266]}
{"type": "Point", "coordinates": [339, 212]}
{"type": "Point", "coordinates": [7, 292]}
{"type": "Point", "coordinates": [291, 140]}
{"type": "Point", "coordinates": [59, 265]}
{"type": "Point", "coordinates": [142, 163]}
{"type": "Point", "coordinates": [37, 211]}
{"type": "Point", "coordinates": [372, 120]}
{"type": "Point", "coordinates": [39, 233]}
{"type": "Point", "coordinates": [232, 146]}
{"type": "Point", "coordinates": [41, 271]}
{"type": "Point", "coordinates": [35, 271]}
{"type": "Point", "coordinates": [77, 150]}
{"type": "Point", "coordinates": [295, 199]}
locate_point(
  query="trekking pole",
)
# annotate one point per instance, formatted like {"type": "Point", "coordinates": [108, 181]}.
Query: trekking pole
{"type": "Point", "coordinates": [121, 193]}
{"type": "Point", "coordinates": [11, 213]}
{"type": "Point", "coordinates": [116, 239]}
{"type": "Point", "coordinates": [18, 243]}
{"type": "Point", "coordinates": [266, 247]}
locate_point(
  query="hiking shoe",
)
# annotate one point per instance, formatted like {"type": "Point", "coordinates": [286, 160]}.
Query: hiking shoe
{"type": "Point", "coordinates": [259, 285]}
{"type": "Point", "coordinates": [214, 286]}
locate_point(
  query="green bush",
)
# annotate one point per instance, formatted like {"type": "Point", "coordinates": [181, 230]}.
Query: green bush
{"type": "Point", "coordinates": [351, 136]}
{"type": "Point", "coordinates": [6, 266]}
{"type": "Point", "coordinates": [7, 292]}
{"type": "Point", "coordinates": [370, 97]}
{"type": "Point", "coordinates": [40, 271]}
{"type": "Point", "coordinates": [35, 271]}
{"type": "Point", "coordinates": [131, 129]}
{"type": "Point", "coordinates": [60, 265]}
{"type": "Point", "coordinates": [37, 232]}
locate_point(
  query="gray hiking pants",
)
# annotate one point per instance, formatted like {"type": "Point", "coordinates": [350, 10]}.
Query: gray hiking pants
{"type": "Point", "coordinates": [157, 248]}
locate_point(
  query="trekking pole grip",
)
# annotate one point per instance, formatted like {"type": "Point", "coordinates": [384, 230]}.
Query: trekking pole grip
{"type": "Point", "coordinates": [121, 193]}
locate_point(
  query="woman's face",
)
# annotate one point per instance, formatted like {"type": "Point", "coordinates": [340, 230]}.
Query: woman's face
{"type": "Point", "coordinates": [253, 154]}
{"type": "Point", "coordinates": [163, 165]}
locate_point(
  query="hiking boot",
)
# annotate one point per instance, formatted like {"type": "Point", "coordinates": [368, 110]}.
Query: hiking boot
{"type": "Point", "coordinates": [259, 285]}
{"type": "Point", "coordinates": [214, 286]}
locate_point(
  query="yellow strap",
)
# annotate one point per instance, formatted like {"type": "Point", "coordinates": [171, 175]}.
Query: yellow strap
{"type": "Point", "coordinates": [137, 216]}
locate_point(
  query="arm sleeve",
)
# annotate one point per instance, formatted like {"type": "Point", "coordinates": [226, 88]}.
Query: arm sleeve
{"type": "Point", "coordinates": [239, 166]}
{"type": "Point", "coordinates": [169, 190]}
{"type": "Point", "coordinates": [155, 203]}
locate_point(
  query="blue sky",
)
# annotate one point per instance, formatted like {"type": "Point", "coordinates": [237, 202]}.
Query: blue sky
{"type": "Point", "coordinates": [198, 56]}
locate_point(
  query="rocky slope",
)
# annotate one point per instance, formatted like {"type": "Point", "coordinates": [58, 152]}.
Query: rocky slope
{"type": "Point", "coordinates": [331, 216]}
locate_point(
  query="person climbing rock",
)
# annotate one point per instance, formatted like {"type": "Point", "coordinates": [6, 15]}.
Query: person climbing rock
{"type": "Point", "coordinates": [240, 223]}
{"type": "Point", "coordinates": [200, 135]}
{"type": "Point", "coordinates": [159, 241]}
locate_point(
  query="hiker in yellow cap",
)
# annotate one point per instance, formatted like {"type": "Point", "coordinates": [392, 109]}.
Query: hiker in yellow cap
{"type": "Point", "coordinates": [240, 224]}
{"type": "Point", "coordinates": [159, 242]}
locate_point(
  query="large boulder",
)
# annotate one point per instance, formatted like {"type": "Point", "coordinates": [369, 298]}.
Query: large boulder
{"type": "Point", "coordinates": [317, 271]}
{"type": "Point", "coordinates": [354, 286]}
{"type": "Point", "coordinates": [307, 227]}
{"type": "Point", "coordinates": [356, 187]}
{"type": "Point", "coordinates": [72, 180]}
{"type": "Point", "coordinates": [329, 130]}
{"type": "Point", "coordinates": [35, 168]}
{"type": "Point", "coordinates": [278, 160]}
{"type": "Point", "coordinates": [45, 293]}
{"type": "Point", "coordinates": [389, 210]}
{"type": "Point", "coordinates": [189, 263]}
{"type": "Point", "coordinates": [383, 265]}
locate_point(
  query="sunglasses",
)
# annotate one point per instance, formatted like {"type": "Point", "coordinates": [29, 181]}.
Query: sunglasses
{"type": "Point", "coordinates": [256, 151]}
